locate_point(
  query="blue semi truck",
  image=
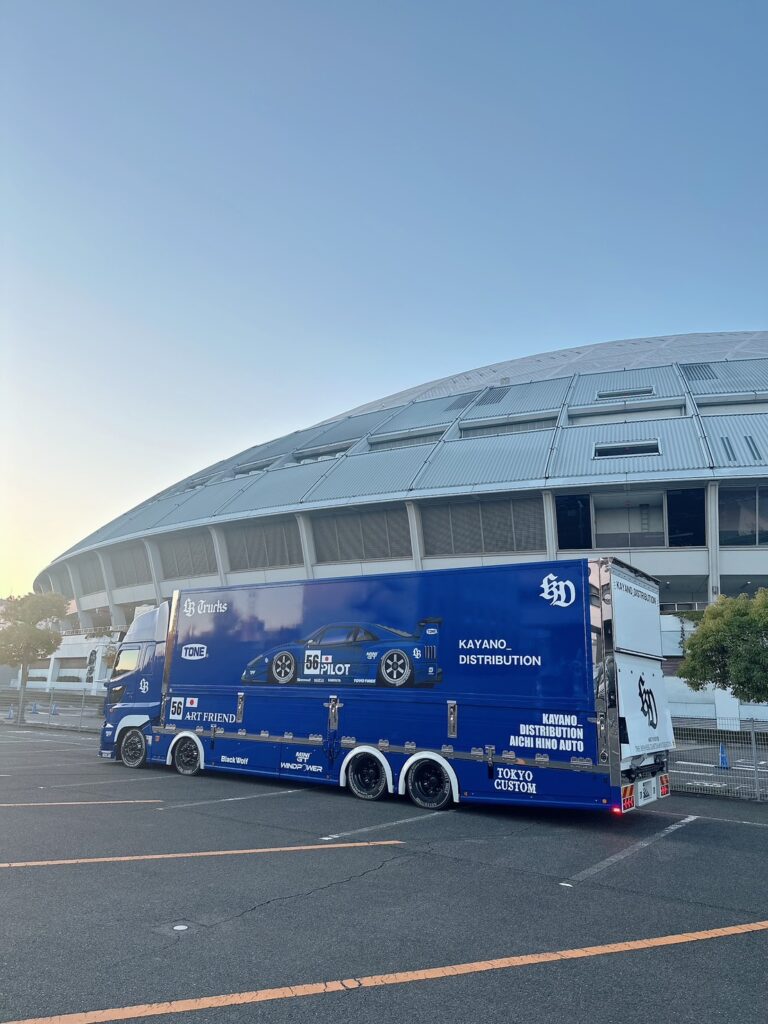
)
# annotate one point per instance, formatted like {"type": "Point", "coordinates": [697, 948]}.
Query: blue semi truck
{"type": "Point", "coordinates": [534, 683]}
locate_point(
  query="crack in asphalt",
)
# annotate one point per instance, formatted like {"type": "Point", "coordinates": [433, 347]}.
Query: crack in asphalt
{"type": "Point", "coordinates": [304, 894]}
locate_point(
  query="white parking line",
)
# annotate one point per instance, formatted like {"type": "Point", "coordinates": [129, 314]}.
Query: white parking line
{"type": "Point", "coordinates": [109, 782]}
{"type": "Point", "coordinates": [386, 824]}
{"type": "Point", "coordinates": [634, 848]}
{"type": "Point", "coordinates": [709, 817]}
{"type": "Point", "coordinates": [228, 799]}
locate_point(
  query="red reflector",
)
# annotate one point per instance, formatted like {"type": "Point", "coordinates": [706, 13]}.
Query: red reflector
{"type": "Point", "coordinates": [664, 785]}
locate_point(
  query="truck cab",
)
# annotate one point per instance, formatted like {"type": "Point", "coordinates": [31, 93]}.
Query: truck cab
{"type": "Point", "coordinates": [134, 688]}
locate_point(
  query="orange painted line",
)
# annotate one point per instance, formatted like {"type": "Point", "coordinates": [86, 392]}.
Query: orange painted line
{"type": "Point", "coordinates": [82, 803]}
{"type": "Point", "coordinates": [196, 853]}
{"type": "Point", "coordinates": [321, 988]}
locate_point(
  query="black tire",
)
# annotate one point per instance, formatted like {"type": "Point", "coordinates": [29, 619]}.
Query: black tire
{"type": "Point", "coordinates": [429, 785]}
{"type": "Point", "coordinates": [186, 756]}
{"type": "Point", "coordinates": [133, 748]}
{"type": "Point", "coordinates": [395, 668]}
{"type": "Point", "coordinates": [366, 777]}
{"type": "Point", "coordinates": [282, 668]}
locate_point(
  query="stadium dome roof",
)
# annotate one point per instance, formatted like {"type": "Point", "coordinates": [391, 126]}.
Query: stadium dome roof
{"type": "Point", "coordinates": [520, 424]}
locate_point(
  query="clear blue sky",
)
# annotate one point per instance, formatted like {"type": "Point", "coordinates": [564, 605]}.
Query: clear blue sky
{"type": "Point", "coordinates": [225, 220]}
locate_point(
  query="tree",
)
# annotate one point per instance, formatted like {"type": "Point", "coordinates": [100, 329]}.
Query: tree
{"type": "Point", "coordinates": [27, 632]}
{"type": "Point", "coordinates": [729, 649]}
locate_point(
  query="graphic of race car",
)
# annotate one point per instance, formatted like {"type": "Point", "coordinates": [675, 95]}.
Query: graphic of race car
{"type": "Point", "coordinates": [353, 653]}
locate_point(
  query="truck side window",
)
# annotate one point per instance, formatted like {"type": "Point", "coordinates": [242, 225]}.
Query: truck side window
{"type": "Point", "coordinates": [127, 661]}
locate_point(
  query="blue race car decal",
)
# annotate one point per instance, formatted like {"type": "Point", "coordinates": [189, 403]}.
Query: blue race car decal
{"type": "Point", "coordinates": [353, 654]}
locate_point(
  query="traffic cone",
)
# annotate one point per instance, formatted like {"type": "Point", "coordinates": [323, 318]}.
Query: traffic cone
{"type": "Point", "coordinates": [724, 760]}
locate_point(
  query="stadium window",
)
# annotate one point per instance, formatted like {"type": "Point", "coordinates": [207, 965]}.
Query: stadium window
{"type": "Point", "coordinates": [91, 578]}
{"type": "Point", "coordinates": [267, 545]}
{"type": "Point", "coordinates": [574, 521]}
{"type": "Point", "coordinates": [629, 520]}
{"type": "Point", "coordinates": [190, 554]}
{"type": "Point", "coordinates": [483, 527]}
{"type": "Point", "coordinates": [686, 524]}
{"type": "Point", "coordinates": [613, 451]}
{"type": "Point", "coordinates": [738, 516]}
{"type": "Point", "coordinates": [369, 535]}
{"type": "Point", "coordinates": [627, 393]}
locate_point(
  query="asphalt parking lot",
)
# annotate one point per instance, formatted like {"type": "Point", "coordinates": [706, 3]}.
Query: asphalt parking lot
{"type": "Point", "coordinates": [304, 904]}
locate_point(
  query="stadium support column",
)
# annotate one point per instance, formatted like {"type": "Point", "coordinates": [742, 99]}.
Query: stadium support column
{"type": "Point", "coordinates": [220, 551]}
{"type": "Point", "coordinates": [116, 613]}
{"type": "Point", "coordinates": [85, 618]}
{"type": "Point", "coordinates": [153, 557]}
{"type": "Point", "coordinates": [414, 525]}
{"type": "Point", "coordinates": [550, 524]}
{"type": "Point", "coordinates": [713, 540]}
{"type": "Point", "coordinates": [307, 544]}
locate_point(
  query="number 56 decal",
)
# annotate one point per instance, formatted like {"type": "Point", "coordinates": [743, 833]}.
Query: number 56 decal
{"type": "Point", "coordinates": [177, 707]}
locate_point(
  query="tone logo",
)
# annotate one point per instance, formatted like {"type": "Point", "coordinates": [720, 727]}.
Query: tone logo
{"type": "Point", "coordinates": [194, 652]}
{"type": "Point", "coordinates": [559, 593]}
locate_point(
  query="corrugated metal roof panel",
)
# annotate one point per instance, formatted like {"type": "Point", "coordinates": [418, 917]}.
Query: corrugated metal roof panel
{"type": "Point", "coordinates": [356, 476]}
{"type": "Point", "coordinates": [501, 458]}
{"type": "Point", "coordinates": [350, 429]}
{"type": "Point", "coordinates": [663, 379]}
{"type": "Point", "coordinates": [204, 502]}
{"type": "Point", "coordinates": [278, 487]}
{"type": "Point", "coordinates": [738, 440]}
{"type": "Point", "coordinates": [436, 412]}
{"type": "Point", "coordinates": [730, 378]}
{"type": "Point", "coordinates": [520, 398]}
{"type": "Point", "coordinates": [679, 446]}
{"type": "Point", "coordinates": [280, 446]}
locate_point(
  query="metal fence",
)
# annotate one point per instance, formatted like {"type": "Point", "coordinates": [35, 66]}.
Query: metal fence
{"type": "Point", "coordinates": [60, 709]}
{"type": "Point", "coordinates": [721, 757]}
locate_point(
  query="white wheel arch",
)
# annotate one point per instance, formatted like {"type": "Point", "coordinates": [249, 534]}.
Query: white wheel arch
{"type": "Point", "coordinates": [379, 757]}
{"type": "Point", "coordinates": [198, 744]}
{"type": "Point", "coordinates": [128, 722]}
{"type": "Point", "coordinates": [428, 755]}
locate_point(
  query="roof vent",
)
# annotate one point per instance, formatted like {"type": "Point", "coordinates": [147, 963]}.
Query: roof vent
{"type": "Point", "coordinates": [461, 402]}
{"type": "Point", "coordinates": [625, 448]}
{"type": "Point", "coordinates": [698, 371]}
{"type": "Point", "coordinates": [730, 454]}
{"type": "Point", "coordinates": [493, 396]}
{"type": "Point", "coordinates": [754, 450]}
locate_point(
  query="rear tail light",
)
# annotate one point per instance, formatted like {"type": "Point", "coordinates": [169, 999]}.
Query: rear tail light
{"type": "Point", "coordinates": [628, 798]}
{"type": "Point", "coordinates": [664, 785]}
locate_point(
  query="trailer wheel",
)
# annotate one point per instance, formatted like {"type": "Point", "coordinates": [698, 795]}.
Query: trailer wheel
{"type": "Point", "coordinates": [428, 785]}
{"type": "Point", "coordinates": [366, 777]}
{"type": "Point", "coordinates": [133, 749]}
{"type": "Point", "coordinates": [186, 756]}
{"type": "Point", "coordinates": [282, 668]}
{"type": "Point", "coordinates": [394, 668]}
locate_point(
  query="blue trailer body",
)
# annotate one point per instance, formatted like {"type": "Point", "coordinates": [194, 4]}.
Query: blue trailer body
{"type": "Point", "coordinates": [496, 675]}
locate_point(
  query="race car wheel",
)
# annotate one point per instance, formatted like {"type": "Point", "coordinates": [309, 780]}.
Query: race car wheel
{"type": "Point", "coordinates": [394, 668]}
{"type": "Point", "coordinates": [366, 777]}
{"type": "Point", "coordinates": [186, 756]}
{"type": "Point", "coordinates": [133, 749]}
{"type": "Point", "coordinates": [283, 668]}
{"type": "Point", "coordinates": [429, 785]}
